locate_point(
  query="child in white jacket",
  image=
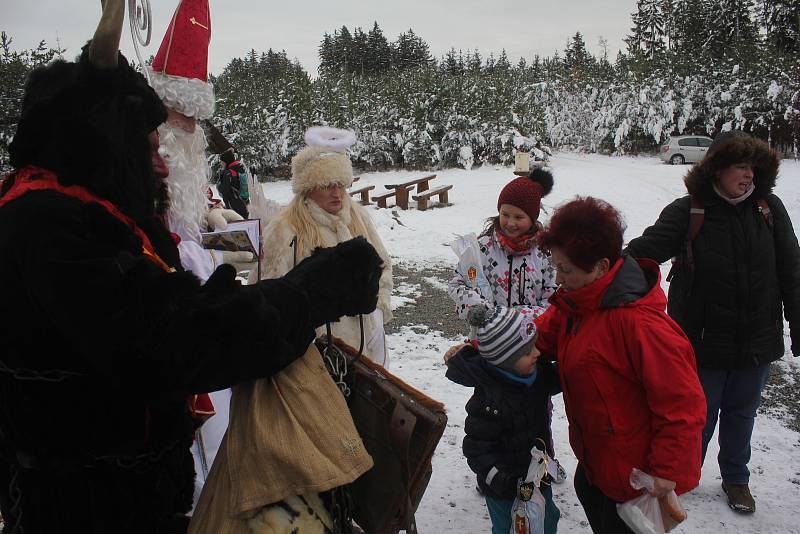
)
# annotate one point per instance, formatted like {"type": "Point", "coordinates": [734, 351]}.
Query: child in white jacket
{"type": "Point", "coordinates": [519, 275]}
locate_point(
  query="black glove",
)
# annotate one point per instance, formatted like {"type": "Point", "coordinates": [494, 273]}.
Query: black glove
{"type": "Point", "coordinates": [504, 485]}
{"type": "Point", "coordinates": [222, 279]}
{"type": "Point", "coordinates": [341, 280]}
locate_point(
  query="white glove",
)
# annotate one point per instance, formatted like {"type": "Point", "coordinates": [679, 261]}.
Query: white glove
{"type": "Point", "coordinates": [238, 258]}
{"type": "Point", "coordinates": [218, 218]}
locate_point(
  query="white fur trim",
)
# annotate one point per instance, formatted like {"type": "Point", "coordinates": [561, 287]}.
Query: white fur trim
{"type": "Point", "coordinates": [315, 166]}
{"type": "Point", "coordinates": [332, 138]}
{"type": "Point", "coordinates": [188, 96]}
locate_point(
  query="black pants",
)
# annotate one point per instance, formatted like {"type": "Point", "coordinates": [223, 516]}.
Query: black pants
{"type": "Point", "coordinates": [600, 510]}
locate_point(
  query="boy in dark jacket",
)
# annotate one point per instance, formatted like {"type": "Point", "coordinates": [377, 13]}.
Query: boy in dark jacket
{"type": "Point", "coordinates": [507, 414]}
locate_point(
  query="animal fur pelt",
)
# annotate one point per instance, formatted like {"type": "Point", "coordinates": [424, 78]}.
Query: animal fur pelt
{"type": "Point", "coordinates": [724, 153]}
{"type": "Point", "coordinates": [90, 127]}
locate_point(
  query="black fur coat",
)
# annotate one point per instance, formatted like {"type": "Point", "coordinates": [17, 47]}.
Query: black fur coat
{"type": "Point", "coordinates": [100, 347]}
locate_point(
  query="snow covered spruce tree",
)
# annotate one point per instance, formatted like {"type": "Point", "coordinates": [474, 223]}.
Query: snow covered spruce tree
{"type": "Point", "coordinates": [14, 68]}
{"type": "Point", "coordinates": [691, 66]}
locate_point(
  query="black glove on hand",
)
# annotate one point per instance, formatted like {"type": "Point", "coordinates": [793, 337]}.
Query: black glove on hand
{"type": "Point", "coordinates": [504, 485]}
{"type": "Point", "coordinates": [222, 279]}
{"type": "Point", "coordinates": [341, 280]}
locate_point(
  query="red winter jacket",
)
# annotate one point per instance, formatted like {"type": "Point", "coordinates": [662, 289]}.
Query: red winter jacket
{"type": "Point", "coordinates": [629, 380]}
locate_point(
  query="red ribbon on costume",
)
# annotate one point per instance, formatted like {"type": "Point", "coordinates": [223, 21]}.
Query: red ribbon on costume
{"type": "Point", "coordinates": [33, 178]}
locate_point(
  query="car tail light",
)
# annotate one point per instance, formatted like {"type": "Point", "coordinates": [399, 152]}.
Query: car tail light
{"type": "Point", "coordinates": [665, 148]}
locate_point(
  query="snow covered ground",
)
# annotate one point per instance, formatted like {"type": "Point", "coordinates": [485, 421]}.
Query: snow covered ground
{"type": "Point", "coordinates": [640, 188]}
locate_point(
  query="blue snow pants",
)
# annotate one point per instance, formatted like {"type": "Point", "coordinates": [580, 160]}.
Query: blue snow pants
{"type": "Point", "coordinates": [733, 397]}
{"type": "Point", "coordinates": [500, 513]}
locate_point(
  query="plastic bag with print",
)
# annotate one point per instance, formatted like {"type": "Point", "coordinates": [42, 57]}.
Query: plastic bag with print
{"type": "Point", "coordinates": [527, 512]}
{"type": "Point", "coordinates": [468, 250]}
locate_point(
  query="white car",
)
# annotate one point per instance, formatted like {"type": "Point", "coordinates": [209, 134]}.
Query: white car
{"type": "Point", "coordinates": [684, 149]}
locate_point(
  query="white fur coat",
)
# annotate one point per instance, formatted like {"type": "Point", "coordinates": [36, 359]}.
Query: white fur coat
{"type": "Point", "coordinates": [279, 259]}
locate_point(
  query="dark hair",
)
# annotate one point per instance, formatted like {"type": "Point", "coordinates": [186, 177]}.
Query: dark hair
{"type": "Point", "coordinates": [587, 230]}
{"type": "Point", "coordinates": [229, 156]}
{"type": "Point", "coordinates": [489, 226]}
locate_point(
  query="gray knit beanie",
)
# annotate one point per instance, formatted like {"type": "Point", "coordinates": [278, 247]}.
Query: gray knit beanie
{"type": "Point", "coordinates": [504, 334]}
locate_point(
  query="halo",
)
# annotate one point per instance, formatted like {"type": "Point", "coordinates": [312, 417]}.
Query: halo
{"type": "Point", "coordinates": [332, 138]}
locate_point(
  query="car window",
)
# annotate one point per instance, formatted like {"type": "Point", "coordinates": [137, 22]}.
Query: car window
{"type": "Point", "coordinates": [702, 141]}
{"type": "Point", "coordinates": [689, 141]}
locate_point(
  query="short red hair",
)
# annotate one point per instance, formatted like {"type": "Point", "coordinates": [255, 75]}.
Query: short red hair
{"type": "Point", "coordinates": [587, 230]}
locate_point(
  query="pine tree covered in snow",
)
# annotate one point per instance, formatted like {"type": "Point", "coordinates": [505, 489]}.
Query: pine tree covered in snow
{"type": "Point", "coordinates": [781, 20]}
{"type": "Point", "coordinates": [730, 30]}
{"type": "Point", "coordinates": [692, 66]}
{"type": "Point", "coordinates": [647, 38]}
{"type": "Point", "coordinates": [14, 68]}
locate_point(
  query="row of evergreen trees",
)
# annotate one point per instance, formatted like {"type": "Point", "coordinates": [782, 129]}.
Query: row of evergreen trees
{"type": "Point", "coordinates": [690, 66]}
{"type": "Point", "coordinates": [368, 54]}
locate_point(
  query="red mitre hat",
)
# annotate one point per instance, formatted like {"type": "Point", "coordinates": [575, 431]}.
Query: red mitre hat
{"type": "Point", "coordinates": [179, 73]}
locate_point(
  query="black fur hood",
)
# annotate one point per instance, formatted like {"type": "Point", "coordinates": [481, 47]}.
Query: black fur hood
{"type": "Point", "coordinates": [90, 127]}
{"type": "Point", "coordinates": [728, 150]}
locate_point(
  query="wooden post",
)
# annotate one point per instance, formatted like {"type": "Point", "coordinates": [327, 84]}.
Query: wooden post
{"type": "Point", "coordinates": [401, 197]}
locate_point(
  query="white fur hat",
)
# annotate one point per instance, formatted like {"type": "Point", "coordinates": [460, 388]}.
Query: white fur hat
{"type": "Point", "coordinates": [324, 161]}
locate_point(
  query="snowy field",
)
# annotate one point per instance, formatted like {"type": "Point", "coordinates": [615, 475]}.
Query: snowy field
{"type": "Point", "coordinates": [640, 188]}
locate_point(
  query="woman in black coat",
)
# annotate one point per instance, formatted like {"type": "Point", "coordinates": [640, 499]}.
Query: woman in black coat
{"type": "Point", "coordinates": [737, 269]}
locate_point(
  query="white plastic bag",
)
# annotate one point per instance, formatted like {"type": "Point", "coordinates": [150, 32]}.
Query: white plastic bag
{"type": "Point", "coordinates": [527, 512]}
{"type": "Point", "coordinates": [468, 250]}
{"type": "Point", "coordinates": [648, 514]}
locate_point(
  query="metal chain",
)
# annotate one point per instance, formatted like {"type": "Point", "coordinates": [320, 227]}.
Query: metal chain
{"type": "Point", "coordinates": [15, 493]}
{"type": "Point", "coordinates": [336, 362]}
{"type": "Point", "coordinates": [341, 510]}
{"type": "Point", "coordinates": [131, 462]}
{"type": "Point", "coordinates": [53, 375]}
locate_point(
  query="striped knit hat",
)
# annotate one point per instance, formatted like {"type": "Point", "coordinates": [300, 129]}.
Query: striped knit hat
{"type": "Point", "coordinates": [504, 334]}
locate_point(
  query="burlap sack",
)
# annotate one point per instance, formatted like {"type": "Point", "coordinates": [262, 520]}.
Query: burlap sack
{"type": "Point", "coordinates": [288, 435]}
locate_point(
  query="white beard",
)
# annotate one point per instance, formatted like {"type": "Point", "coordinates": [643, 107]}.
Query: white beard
{"type": "Point", "coordinates": [187, 183]}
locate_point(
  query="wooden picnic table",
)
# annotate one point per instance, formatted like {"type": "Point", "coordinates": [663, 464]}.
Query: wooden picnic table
{"type": "Point", "coordinates": [400, 191]}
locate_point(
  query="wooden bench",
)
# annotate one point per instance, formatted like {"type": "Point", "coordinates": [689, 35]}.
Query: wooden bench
{"type": "Point", "coordinates": [381, 199]}
{"type": "Point", "coordinates": [364, 192]}
{"type": "Point", "coordinates": [401, 191]}
{"type": "Point", "coordinates": [422, 199]}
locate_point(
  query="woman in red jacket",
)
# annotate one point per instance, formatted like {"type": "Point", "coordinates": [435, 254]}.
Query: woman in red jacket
{"type": "Point", "coordinates": [628, 372]}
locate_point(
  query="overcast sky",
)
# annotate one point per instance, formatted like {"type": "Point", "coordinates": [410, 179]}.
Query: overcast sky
{"type": "Point", "coordinates": [522, 28]}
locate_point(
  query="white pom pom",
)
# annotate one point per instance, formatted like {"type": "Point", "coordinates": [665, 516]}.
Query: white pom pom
{"type": "Point", "coordinates": [332, 138]}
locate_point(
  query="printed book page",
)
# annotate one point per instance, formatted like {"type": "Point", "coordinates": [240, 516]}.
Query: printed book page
{"type": "Point", "coordinates": [240, 235]}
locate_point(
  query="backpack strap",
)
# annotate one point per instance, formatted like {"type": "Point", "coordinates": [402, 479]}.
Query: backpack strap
{"type": "Point", "coordinates": [765, 211]}
{"type": "Point", "coordinates": [697, 214]}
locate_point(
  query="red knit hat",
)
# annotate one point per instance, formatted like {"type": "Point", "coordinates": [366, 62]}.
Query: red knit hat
{"type": "Point", "coordinates": [526, 192]}
{"type": "Point", "coordinates": [179, 73]}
